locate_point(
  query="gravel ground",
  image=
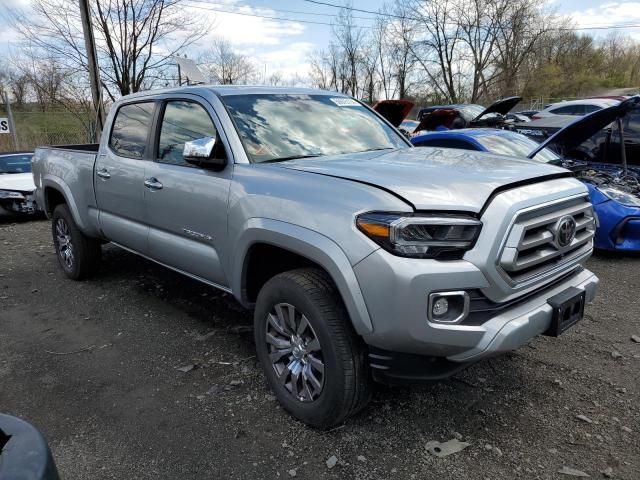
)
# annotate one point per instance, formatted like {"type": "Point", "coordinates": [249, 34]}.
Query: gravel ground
{"type": "Point", "coordinates": [95, 365]}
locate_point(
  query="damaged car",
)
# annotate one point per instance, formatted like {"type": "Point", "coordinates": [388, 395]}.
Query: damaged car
{"type": "Point", "coordinates": [16, 185]}
{"type": "Point", "coordinates": [471, 115]}
{"type": "Point", "coordinates": [611, 174]}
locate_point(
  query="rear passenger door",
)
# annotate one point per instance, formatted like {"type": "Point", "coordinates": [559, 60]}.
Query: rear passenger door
{"type": "Point", "coordinates": [187, 204]}
{"type": "Point", "coordinates": [119, 176]}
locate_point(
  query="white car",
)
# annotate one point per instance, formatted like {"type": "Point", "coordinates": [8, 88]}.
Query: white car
{"type": "Point", "coordinates": [16, 184]}
{"type": "Point", "coordinates": [576, 108]}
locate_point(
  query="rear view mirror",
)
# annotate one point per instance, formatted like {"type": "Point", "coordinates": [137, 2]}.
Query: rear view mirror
{"type": "Point", "coordinates": [200, 152]}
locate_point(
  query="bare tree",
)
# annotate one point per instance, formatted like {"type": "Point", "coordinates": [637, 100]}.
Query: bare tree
{"type": "Point", "coordinates": [226, 66]}
{"type": "Point", "coordinates": [438, 50]}
{"type": "Point", "coordinates": [135, 39]}
{"type": "Point", "coordinates": [350, 40]}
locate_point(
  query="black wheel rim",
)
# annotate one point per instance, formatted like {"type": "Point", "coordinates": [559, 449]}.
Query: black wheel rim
{"type": "Point", "coordinates": [295, 352]}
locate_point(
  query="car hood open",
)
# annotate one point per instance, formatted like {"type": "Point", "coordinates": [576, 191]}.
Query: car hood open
{"type": "Point", "coordinates": [502, 106]}
{"type": "Point", "coordinates": [585, 127]}
{"type": "Point", "coordinates": [395, 111]}
{"type": "Point", "coordinates": [17, 182]}
{"type": "Point", "coordinates": [431, 178]}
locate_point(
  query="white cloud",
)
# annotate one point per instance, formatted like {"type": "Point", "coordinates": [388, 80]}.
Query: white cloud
{"type": "Point", "coordinates": [242, 28]}
{"type": "Point", "coordinates": [607, 14]}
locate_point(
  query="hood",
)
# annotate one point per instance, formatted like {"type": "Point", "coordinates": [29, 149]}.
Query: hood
{"type": "Point", "coordinates": [17, 182]}
{"type": "Point", "coordinates": [501, 106]}
{"type": "Point", "coordinates": [430, 178]}
{"type": "Point", "coordinates": [395, 111]}
{"type": "Point", "coordinates": [585, 127]}
{"type": "Point", "coordinates": [443, 117]}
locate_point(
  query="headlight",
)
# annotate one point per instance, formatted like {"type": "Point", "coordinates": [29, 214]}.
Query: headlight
{"type": "Point", "coordinates": [421, 236]}
{"type": "Point", "coordinates": [4, 194]}
{"type": "Point", "coordinates": [625, 198]}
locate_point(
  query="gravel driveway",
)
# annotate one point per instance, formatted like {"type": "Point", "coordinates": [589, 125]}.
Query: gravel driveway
{"type": "Point", "coordinates": [142, 373]}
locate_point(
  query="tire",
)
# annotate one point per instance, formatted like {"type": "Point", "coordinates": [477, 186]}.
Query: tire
{"type": "Point", "coordinates": [78, 255]}
{"type": "Point", "coordinates": [320, 397]}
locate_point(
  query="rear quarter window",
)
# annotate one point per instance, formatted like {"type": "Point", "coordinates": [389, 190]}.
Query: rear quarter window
{"type": "Point", "coordinates": [130, 130]}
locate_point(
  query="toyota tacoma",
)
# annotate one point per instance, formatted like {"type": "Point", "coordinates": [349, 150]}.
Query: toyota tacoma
{"type": "Point", "coordinates": [362, 257]}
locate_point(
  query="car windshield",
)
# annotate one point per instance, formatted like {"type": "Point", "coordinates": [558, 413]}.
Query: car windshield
{"type": "Point", "coordinates": [516, 145]}
{"type": "Point", "coordinates": [15, 163]}
{"type": "Point", "coordinates": [275, 127]}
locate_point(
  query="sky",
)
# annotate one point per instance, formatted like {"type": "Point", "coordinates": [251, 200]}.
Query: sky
{"type": "Point", "coordinates": [284, 46]}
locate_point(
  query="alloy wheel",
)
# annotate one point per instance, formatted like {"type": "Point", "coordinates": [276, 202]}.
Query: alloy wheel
{"type": "Point", "coordinates": [65, 245]}
{"type": "Point", "coordinates": [295, 352]}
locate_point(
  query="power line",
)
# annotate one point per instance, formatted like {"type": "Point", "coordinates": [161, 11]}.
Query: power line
{"type": "Point", "coordinates": [245, 14]}
{"type": "Point", "coordinates": [300, 12]}
{"type": "Point", "coordinates": [404, 17]}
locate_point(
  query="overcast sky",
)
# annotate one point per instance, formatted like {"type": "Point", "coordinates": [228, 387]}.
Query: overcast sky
{"type": "Point", "coordinates": [285, 45]}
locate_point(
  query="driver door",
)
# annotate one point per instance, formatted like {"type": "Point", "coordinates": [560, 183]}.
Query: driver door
{"type": "Point", "coordinates": [187, 204]}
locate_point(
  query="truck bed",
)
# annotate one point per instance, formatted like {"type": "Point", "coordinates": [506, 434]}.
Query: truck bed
{"type": "Point", "coordinates": [68, 169]}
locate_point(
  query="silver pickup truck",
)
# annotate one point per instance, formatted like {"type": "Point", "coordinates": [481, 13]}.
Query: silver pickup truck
{"type": "Point", "coordinates": [362, 257]}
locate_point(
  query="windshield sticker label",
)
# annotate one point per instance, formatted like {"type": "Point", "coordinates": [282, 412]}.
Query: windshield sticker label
{"type": "Point", "coordinates": [345, 102]}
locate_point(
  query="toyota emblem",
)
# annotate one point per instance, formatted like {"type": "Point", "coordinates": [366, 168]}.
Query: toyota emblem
{"type": "Point", "coordinates": [565, 231]}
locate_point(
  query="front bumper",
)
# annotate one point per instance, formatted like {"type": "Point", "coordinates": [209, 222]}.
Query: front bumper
{"type": "Point", "coordinates": [619, 227]}
{"type": "Point", "coordinates": [18, 206]}
{"type": "Point", "coordinates": [397, 303]}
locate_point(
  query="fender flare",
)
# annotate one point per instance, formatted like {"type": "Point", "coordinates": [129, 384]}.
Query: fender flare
{"type": "Point", "coordinates": [51, 181]}
{"type": "Point", "coordinates": [306, 243]}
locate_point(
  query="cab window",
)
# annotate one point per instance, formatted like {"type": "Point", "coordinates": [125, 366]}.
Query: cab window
{"type": "Point", "coordinates": [183, 121]}
{"type": "Point", "coordinates": [130, 131]}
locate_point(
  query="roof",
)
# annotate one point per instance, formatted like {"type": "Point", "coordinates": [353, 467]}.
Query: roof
{"type": "Point", "coordinates": [586, 101]}
{"type": "Point", "coordinates": [224, 90]}
{"type": "Point", "coordinates": [467, 132]}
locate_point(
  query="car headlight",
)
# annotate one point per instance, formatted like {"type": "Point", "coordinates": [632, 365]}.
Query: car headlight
{"type": "Point", "coordinates": [421, 236]}
{"type": "Point", "coordinates": [625, 198]}
{"type": "Point", "coordinates": [6, 194]}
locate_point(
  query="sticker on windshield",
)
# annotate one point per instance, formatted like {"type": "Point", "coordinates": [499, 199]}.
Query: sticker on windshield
{"type": "Point", "coordinates": [345, 102]}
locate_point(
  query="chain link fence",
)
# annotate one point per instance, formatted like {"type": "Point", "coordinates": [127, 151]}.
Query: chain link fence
{"type": "Point", "coordinates": [51, 127]}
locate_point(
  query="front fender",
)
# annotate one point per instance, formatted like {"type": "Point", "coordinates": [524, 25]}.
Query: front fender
{"type": "Point", "coordinates": [307, 243]}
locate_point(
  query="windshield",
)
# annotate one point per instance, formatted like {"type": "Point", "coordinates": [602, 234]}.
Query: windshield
{"type": "Point", "coordinates": [275, 127]}
{"type": "Point", "coordinates": [15, 163]}
{"type": "Point", "coordinates": [515, 145]}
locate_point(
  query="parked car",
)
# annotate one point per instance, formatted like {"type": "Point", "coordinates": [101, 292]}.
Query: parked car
{"type": "Point", "coordinates": [362, 257]}
{"type": "Point", "coordinates": [614, 188]}
{"type": "Point", "coordinates": [16, 184]}
{"type": "Point", "coordinates": [24, 452]}
{"type": "Point", "coordinates": [603, 146]}
{"type": "Point", "coordinates": [469, 115]}
{"type": "Point", "coordinates": [575, 107]}
{"type": "Point", "coordinates": [527, 113]}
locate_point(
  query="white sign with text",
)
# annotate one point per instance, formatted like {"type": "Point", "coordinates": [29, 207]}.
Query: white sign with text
{"type": "Point", "coordinates": [4, 125]}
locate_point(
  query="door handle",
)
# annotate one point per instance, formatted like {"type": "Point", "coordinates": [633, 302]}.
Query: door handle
{"type": "Point", "coordinates": [153, 184]}
{"type": "Point", "coordinates": [103, 173]}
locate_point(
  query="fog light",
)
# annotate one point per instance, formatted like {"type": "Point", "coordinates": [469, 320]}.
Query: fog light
{"type": "Point", "coordinates": [440, 307]}
{"type": "Point", "coordinates": [448, 307]}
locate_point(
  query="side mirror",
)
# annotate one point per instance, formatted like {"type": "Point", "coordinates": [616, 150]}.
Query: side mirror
{"type": "Point", "coordinates": [199, 152]}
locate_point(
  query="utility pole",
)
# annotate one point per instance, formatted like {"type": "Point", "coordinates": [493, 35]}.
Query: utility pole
{"type": "Point", "coordinates": [92, 60]}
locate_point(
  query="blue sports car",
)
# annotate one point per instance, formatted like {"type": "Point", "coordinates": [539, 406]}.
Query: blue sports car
{"type": "Point", "coordinates": [614, 188]}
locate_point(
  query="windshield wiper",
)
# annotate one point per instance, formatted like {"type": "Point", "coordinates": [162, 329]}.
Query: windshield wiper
{"type": "Point", "coordinates": [376, 149]}
{"type": "Point", "coordinates": [292, 157]}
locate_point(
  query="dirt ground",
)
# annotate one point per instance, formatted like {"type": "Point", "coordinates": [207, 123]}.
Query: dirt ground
{"type": "Point", "coordinates": [94, 365]}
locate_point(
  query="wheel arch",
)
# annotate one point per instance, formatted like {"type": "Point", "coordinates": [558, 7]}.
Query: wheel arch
{"type": "Point", "coordinates": [275, 246]}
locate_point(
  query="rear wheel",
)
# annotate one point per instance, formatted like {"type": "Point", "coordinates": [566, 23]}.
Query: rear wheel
{"type": "Point", "coordinates": [78, 255]}
{"type": "Point", "coordinates": [313, 360]}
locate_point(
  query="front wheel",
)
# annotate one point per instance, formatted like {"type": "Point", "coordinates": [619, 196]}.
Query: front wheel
{"type": "Point", "coordinates": [78, 255]}
{"type": "Point", "coordinates": [313, 360]}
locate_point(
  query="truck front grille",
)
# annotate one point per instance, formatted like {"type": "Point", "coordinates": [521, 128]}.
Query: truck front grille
{"type": "Point", "coordinates": [540, 240]}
